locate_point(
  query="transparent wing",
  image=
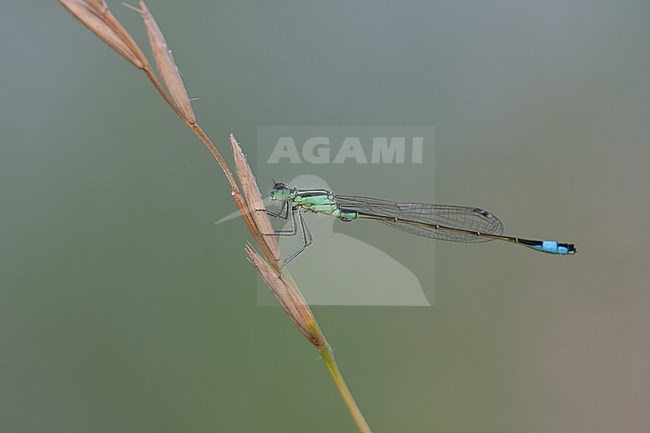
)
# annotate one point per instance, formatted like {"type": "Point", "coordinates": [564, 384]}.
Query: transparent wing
{"type": "Point", "coordinates": [413, 215]}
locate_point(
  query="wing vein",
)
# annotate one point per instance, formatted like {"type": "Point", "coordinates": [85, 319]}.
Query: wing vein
{"type": "Point", "coordinates": [471, 219]}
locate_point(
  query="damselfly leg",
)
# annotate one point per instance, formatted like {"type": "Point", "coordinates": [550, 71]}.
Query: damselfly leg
{"type": "Point", "coordinates": [307, 237]}
{"type": "Point", "coordinates": [284, 215]}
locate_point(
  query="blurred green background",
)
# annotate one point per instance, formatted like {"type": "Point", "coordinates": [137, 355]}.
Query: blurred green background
{"type": "Point", "coordinates": [123, 308]}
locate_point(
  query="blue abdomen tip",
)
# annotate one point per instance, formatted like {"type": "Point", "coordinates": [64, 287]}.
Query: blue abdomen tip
{"type": "Point", "coordinates": [550, 247]}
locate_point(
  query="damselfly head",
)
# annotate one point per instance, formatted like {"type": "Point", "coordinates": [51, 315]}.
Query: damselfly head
{"type": "Point", "coordinates": [280, 192]}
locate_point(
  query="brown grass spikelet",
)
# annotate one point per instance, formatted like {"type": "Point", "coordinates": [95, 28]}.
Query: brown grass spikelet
{"type": "Point", "coordinates": [289, 298]}
{"type": "Point", "coordinates": [166, 66]}
{"type": "Point", "coordinates": [88, 15]}
{"type": "Point", "coordinates": [99, 6]}
{"type": "Point", "coordinates": [254, 203]}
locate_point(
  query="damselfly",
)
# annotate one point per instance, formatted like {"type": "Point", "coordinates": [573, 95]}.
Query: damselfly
{"type": "Point", "coordinates": [445, 222]}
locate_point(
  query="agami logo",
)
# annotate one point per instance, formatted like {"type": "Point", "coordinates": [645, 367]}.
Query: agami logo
{"type": "Point", "coordinates": [323, 150]}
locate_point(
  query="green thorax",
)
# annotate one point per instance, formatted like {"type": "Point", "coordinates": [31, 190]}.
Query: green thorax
{"type": "Point", "coordinates": [321, 201]}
